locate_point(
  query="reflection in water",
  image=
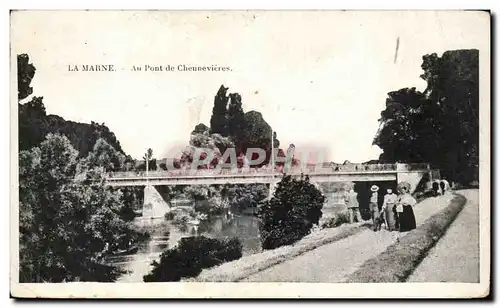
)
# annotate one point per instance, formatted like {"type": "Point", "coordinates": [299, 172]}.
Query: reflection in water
{"type": "Point", "coordinates": [165, 235]}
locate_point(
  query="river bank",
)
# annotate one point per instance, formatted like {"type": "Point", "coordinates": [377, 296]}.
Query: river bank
{"type": "Point", "coordinates": [165, 234]}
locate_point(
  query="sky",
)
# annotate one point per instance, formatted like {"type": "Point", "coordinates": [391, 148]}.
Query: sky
{"type": "Point", "coordinates": [320, 78]}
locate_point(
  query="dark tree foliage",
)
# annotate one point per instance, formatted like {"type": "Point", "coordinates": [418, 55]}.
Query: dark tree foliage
{"type": "Point", "coordinates": [25, 73]}
{"type": "Point", "coordinates": [201, 129]}
{"type": "Point", "coordinates": [69, 220]}
{"type": "Point", "coordinates": [236, 121]}
{"type": "Point", "coordinates": [441, 125]}
{"type": "Point", "coordinates": [35, 124]}
{"type": "Point", "coordinates": [245, 196]}
{"type": "Point", "coordinates": [218, 121]}
{"type": "Point", "coordinates": [191, 256]}
{"type": "Point", "coordinates": [291, 213]}
{"type": "Point", "coordinates": [231, 127]}
{"type": "Point", "coordinates": [408, 119]}
{"type": "Point", "coordinates": [258, 134]}
{"type": "Point", "coordinates": [152, 164]}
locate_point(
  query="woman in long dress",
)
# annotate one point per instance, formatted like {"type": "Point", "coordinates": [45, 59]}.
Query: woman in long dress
{"type": "Point", "coordinates": [390, 200]}
{"type": "Point", "coordinates": [373, 206]}
{"type": "Point", "coordinates": [407, 202]}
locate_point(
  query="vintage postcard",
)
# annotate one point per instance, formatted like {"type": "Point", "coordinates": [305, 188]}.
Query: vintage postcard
{"type": "Point", "coordinates": [250, 154]}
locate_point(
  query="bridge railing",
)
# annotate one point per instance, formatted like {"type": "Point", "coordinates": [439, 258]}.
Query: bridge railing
{"type": "Point", "coordinates": [414, 166]}
{"type": "Point", "coordinates": [333, 168]}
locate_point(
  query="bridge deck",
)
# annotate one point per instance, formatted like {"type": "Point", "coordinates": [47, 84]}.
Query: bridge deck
{"type": "Point", "coordinates": [376, 172]}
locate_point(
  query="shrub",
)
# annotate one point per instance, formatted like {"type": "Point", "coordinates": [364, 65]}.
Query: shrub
{"type": "Point", "coordinates": [180, 216]}
{"type": "Point", "coordinates": [337, 220]}
{"type": "Point", "coordinates": [291, 213]}
{"type": "Point", "coordinates": [214, 206]}
{"type": "Point", "coordinates": [170, 215]}
{"type": "Point", "coordinates": [246, 196]}
{"type": "Point", "coordinates": [191, 256]}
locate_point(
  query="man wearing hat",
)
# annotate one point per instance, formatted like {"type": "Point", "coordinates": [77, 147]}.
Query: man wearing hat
{"type": "Point", "coordinates": [351, 200]}
{"type": "Point", "coordinates": [373, 206]}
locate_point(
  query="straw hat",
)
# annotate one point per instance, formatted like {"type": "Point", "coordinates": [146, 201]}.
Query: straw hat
{"type": "Point", "coordinates": [404, 185]}
{"type": "Point", "coordinates": [374, 188]}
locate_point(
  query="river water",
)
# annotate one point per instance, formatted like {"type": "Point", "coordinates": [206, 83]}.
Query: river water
{"type": "Point", "coordinates": [165, 235]}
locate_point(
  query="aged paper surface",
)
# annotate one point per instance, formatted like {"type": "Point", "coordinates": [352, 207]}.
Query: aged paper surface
{"type": "Point", "coordinates": [168, 136]}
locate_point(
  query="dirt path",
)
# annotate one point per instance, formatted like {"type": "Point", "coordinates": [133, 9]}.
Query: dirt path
{"type": "Point", "coordinates": [329, 262]}
{"type": "Point", "coordinates": [333, 262]}
{"type": "Point", "coordinates": [455, 258]}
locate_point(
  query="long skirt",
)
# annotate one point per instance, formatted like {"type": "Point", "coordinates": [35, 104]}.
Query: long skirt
{"type": "Point", "coordinates": [375, 215]}
{"type": "Point", "coordinates": [390, 217]}
{"type": "Point", "coordinates": [407, 219]}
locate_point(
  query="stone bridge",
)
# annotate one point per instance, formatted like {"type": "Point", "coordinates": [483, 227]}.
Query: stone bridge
{"type": "Point", "coordinates": [412, 173]}
{"type": "Point", "coordinates": [155, 206]}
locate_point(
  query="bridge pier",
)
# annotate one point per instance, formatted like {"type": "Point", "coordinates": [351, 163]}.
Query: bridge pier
{"type": "Point", "coordinates": [153, 206]}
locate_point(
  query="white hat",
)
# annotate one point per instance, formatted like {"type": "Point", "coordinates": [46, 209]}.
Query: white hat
{"type": "Point", "coordinates": [374, 188]}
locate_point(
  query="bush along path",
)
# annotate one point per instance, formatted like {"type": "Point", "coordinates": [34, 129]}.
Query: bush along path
{"type": "Point", "coordinates": [191, 255]}
{"type": "Point", "coordinates": [336, 261]}
{"type": "Point", "coordinates": [398, 261]}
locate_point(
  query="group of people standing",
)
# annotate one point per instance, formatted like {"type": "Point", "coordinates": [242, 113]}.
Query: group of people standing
{"type": "Point", "coordinates": [396, 211]}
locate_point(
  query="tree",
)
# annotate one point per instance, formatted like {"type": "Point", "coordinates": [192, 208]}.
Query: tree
{"type": "Point", "coordinates": [218, 121]}
{"type": "Point", "coordinates": [246, 196]}
{"type": "Point", "coordinates": [35, 124]}
{"type": "Point", "coordinates": [32, 123]}
{"type": "Point", "coordinates": [149, 161]}
{"type": "Point", "coordinates": [25, 73]}
{"type": "Point", "coordinates": [215, 142]}
{"type": "Point", "coordinates": [236, 121]}
{"type": "Point", "coordinates": [69, 221]}
{"type": "Point", "coordinates": [453, 85]}
{"type": "Point", "coordinates": [207, 197]}
{"type": "Point", "coordinates": [402, 123]}
{"type": "Point", "coordinates": [201, 129]}
{"type": "Point", "coordinates": [105, 156]}
{"type": "Point", "coordinates": [291, 212]}
{"type": "Point", "coordinates": [441, 125]}
{"type": "Point", "coordinates": [258, 134]}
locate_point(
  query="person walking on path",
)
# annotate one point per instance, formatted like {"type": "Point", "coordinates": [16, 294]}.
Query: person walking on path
{"type": "Point", "coordinates": [406, 203]}
{"type": "Point", "coordinates": [373, 206]}
{"type": "Point", "coordinates": [436, 188]}
{"type": "Point", "coordinates": [351, 200]}
{"type": "Point", "coordinates": [445, 186]}
{"type": "Point", "coordinates": [389, 210]}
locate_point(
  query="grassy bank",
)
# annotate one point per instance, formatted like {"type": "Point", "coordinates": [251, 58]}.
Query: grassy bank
{"type": "Point", "coordinates": [249, 265]}
{"type": "Point", "coordinates": [399, 260]}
